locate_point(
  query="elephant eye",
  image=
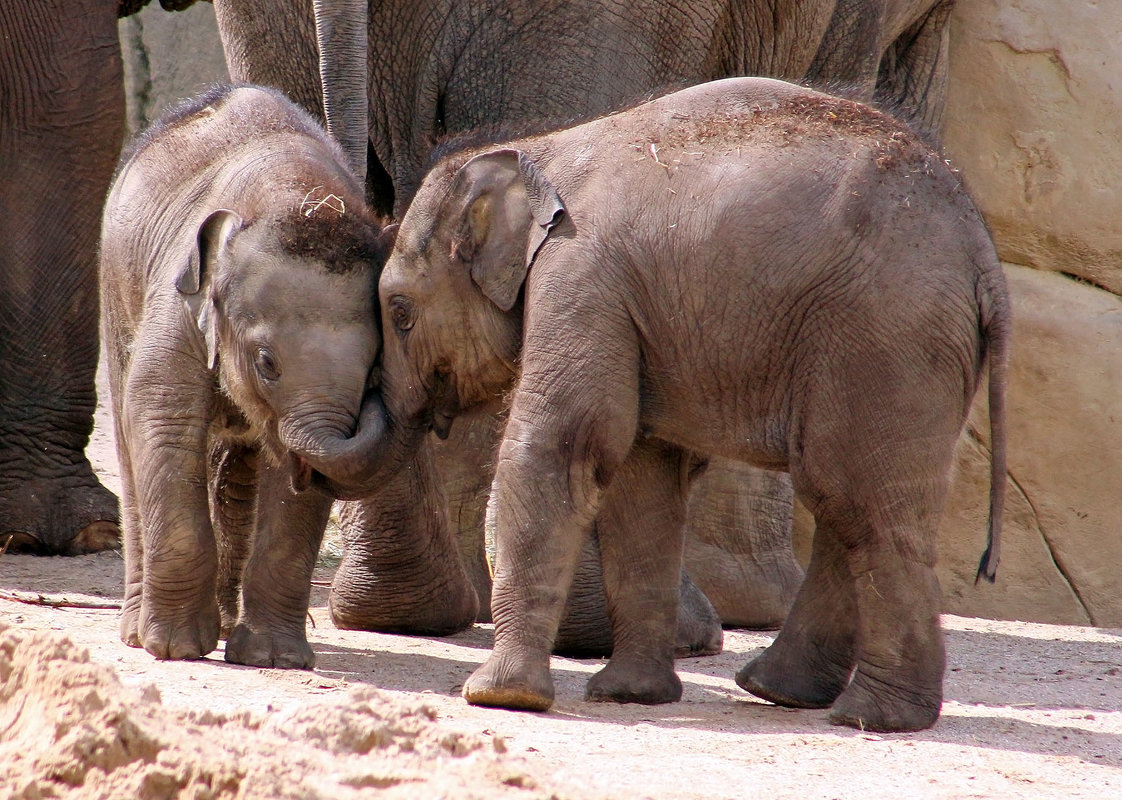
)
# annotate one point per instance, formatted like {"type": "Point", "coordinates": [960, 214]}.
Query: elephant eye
{"type": "Point", "coordinates": [401, 313]}
{"type": "Point", "coordinates": [266, 364]}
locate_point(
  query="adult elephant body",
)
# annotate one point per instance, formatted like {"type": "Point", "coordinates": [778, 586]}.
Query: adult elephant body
{"type": "Point", "coordinates": [62, 119]}
{"type": "Point", "coordinates": [441, 67]}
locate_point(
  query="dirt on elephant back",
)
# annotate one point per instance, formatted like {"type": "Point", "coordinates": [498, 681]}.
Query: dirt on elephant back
{"type": "Point", "coordinates": [1030, 711]}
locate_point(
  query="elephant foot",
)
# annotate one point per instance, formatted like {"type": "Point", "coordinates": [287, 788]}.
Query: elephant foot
{"type": "Point", "coordinates": [631, 681]}
{"type": "Point", "coordinates": [268, 649]}
{"type": "Point", "coordinates": [424, 603]}
{"type": "Point", "coordinates": [793, 683]}
{"type": "Point", "coordinates": [699, 627]}
{"type": "Point", "coordinates": [130, 621]}
{"type": "Point", "coordinates": [875, 706]}
{"type": "Point", "coordinates": [499, 683]}
{"type": "Point", "coordinates": [187, 636]}
{"type": "Point", "coordinates": [68, 516]}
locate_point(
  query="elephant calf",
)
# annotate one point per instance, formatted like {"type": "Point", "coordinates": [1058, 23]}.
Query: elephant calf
{"type": "Point", "coordinates": [746, 269]}
{"type": "Point", "coordinates": [238, 275]}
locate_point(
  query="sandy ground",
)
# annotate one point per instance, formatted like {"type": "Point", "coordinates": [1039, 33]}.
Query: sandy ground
{"type": "Point", "coordinates": [1031, 711]}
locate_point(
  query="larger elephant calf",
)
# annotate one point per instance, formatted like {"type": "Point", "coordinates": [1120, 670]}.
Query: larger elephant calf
{"type": "Point", "coordinates": [238, 275]}
{"type": "Point", "coordinates": [747, 269]}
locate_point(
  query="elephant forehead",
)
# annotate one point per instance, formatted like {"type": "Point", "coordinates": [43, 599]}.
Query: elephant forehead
{"type": "Point", "coordinates": [293, 288]}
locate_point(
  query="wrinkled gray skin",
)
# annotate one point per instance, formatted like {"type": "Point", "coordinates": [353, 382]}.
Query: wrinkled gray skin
{"type": "Point", "coordinates": [61, 120]}
{"type": "Point", "coordinates": [435, 68]}
{"type": "Point", "coordinates": [447, 66]}
{"type": "Point", "coordinates": [893, 52]}
{"type": "Point", "coordinates": [238, 267]}
{"type": "Point", "coordinates": [746, 269]}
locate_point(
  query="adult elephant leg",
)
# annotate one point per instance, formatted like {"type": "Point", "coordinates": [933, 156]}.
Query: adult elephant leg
{"type": "Point", "coordinates": [276, 586]}
{"type": "Point", "coordinates": [912, 78]}
{"type": "Point", "coordinates": [61, 124]}
{"type": "Point", "coordinates": [401, 570]}
{"type": "Point", "coordinates": [738, 543]}
{"type": "Point", "coordinates": [232, 478]}
{"type": "Point", "coordinates": [465, 466]}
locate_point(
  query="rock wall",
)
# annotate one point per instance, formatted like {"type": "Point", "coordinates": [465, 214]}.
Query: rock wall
{"type": "Point", "coordinates": [1034, 104]}
{"type": "Point", "coordinates": [1035, 99]}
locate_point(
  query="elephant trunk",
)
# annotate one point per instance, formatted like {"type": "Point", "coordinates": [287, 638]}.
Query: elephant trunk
{"type": "Point", "coordinates": [352, 465]}
{"type": "Point", "coordinates": [341, 33]}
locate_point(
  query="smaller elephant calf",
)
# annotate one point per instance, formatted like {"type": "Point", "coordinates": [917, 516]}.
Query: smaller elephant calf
{"type": "Point", "coordinates": [238, 275]}
{"type": "Point", "coordinates": [745, 269]}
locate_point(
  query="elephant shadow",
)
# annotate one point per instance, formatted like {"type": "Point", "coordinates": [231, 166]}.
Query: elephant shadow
{"type": "Point", "coordinates": [1017, 693]}
{"type": "Point", "coordinates": [1004, 692]}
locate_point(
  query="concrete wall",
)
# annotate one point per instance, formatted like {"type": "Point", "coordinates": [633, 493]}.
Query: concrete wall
{"type": "Point", "coordinates": [168, 56]}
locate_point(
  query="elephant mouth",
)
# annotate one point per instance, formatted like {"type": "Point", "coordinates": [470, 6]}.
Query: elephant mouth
{"type": "Point", "coordinates": [445, 404]}
{"type": "Point", "coordinates": [442, 424]}
{"type": "Point", "coordinates": [300, 473]}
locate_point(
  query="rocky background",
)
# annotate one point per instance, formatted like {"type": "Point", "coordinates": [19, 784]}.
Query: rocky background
{"type": "Point", "coordinates": [1034, 122]}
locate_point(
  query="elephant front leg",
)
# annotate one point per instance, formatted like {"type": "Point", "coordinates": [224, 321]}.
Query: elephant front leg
{"type": "Point", "coordinates": [178, 616]}
{"type": "Point", "coordinates": [542, 508]}
{"type": "Point", "coordinates": [276, 586]}
{"type": "Point", "coordinates": [641, 534]}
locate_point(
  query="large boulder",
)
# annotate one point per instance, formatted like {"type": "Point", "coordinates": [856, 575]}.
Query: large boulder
{"type": "Point", "coordinates": [1033, 108]}
{"type": "Point", "coordinates": [1063, 527]}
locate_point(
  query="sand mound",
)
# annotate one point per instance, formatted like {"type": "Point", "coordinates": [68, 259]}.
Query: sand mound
{"type": "Point", "coordinates": [70, 729]}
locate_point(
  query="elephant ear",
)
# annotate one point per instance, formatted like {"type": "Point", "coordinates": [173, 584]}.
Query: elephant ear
{"type": "Point", "coordinates": [194, 282]}
{"type": "Point", "coordinates": [507, 208]}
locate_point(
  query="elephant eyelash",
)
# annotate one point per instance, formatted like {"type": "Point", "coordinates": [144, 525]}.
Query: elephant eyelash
{"type": "Point", "coordinates": [266, 365]}
{"type": "Point", "coordinates": [401, 314]}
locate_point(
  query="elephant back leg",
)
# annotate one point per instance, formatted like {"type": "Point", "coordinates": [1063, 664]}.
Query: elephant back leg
{"type": "Point", "coordinates": [61, 125]}
{"type": "Point", "coordinates": [876, 483]}
{"type": "Point", "coordinates": [738, 543]}
{"type": "Point", "coordinates": [232, 479]}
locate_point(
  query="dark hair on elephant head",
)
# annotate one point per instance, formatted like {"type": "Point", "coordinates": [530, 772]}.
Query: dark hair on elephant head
{"type": "Point", "coordinates": [342, 242]}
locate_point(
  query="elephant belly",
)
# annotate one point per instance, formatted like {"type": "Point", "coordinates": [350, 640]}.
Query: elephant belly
{"type": "Point", "coordinates": [744, 430]}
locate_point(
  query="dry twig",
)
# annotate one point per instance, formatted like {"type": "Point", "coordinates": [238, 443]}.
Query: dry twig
{"type": "Point", "coordinates": [54, 601]}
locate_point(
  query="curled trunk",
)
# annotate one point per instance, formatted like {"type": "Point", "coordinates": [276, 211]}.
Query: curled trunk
{"type": "Point", "coordinates": [357, 464]}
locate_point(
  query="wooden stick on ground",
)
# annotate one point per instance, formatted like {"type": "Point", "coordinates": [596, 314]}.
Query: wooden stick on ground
{"type": "Point", "coordinates": [54, 601]}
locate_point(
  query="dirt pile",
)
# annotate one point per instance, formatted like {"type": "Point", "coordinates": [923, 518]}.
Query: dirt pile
{"type": "Point", "coordinates": [70, 729]}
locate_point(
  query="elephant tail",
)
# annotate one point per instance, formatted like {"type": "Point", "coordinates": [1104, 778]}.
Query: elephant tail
{"type": "Point", "coordinates": [996, 329]}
